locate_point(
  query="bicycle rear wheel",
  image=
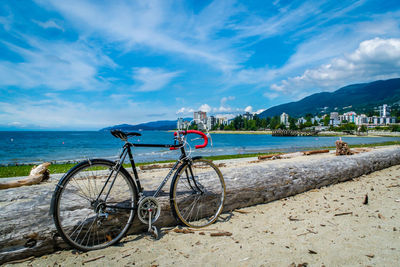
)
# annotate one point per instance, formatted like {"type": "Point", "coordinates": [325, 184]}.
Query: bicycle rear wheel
{"type": "Point", "coordinates": [197, 193]}
{"type": "Point", "coordinates": [88, 217]}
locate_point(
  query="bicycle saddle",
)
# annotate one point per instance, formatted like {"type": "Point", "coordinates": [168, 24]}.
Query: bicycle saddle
{"type": "Point", "coordinates": [123, 135]}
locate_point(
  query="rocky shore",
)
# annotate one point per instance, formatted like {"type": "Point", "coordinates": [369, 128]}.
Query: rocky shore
{"type": "Point", "coordinates": [27, 230]}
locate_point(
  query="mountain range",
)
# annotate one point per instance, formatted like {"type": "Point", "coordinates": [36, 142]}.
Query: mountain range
{"type": "Point", "coordinates": [356, 97]}
{"type": "Point", "coordinates": [153, 126]}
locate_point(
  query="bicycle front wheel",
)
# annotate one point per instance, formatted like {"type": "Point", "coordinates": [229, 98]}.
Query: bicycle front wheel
{"type": "Point", "coordinates": [197, 193]}
{"type": "Point", "coordinates": [93, 206]}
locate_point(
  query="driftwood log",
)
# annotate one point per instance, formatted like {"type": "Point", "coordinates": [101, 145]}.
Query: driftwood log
{"type": "Point", "coordinates": [342, 148]}
{"type": "Point", "coordinates": [38, 174]}
{"type": "Point", "coordinates": [26, 229]}
{"type": "Point", "coordinates": [269, 156]}
{"type": "Point", "coordinates": [312, 152]}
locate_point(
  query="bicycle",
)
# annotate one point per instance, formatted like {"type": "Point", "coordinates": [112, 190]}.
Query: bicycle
{"type": "Point", "coordinates": [95, 202]}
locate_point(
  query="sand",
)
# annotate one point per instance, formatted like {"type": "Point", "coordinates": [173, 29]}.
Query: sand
{"type": "Point", "coordinates": [330, 226]}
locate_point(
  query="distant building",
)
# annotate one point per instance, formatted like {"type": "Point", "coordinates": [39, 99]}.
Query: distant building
{"type": "Point", "coordinates": [361, 119]}
{"type": "Point", "coordinates": [285, 119]}
{"type": "Point", "coordinates": [316, 119]}
{"type": "Point", "coordinates": [384, 111]}
{"type": "Point", "coordinates": [211, 122]}
{"type": "Point", "coordinates": [334, 119]}
{"type": "Point", "coordinates": [301, 121]}
{"type": "Point", "coordinates": [182, 124]}
{"type": "Point", "coordinates": [350, 116]}
{"type": "Point", "coordinates": [222, 121]}
{"type": "Point", "coordinates": [248, 116]}
{"type": "Point", "coordinates": [334, 116]}
{"type": "Point", "coordinates": [200, 116]}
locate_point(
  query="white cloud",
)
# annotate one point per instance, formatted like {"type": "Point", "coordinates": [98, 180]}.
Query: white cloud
{"type": "Point", "coordinates": [185, 111]}
{"type": "Point", "coordinates": [374, 59]}
{"type": "Point", "coordinates": [318, 46]}
{"type": "Point", "coordinates": [259, 111]}
{"type": "Point", "coordinates": [287, 19]}
{"type": "Point", "coordinates": [152, 79]}
{"type": "Point", "coordinates": [278, 88]}
{"type": "Point", "coordinates": [271, 95]}
{"type": "Point", "coordinates": [6, 22]}
{"type": "Point", "coordinates": [55, 112]}
{"type": "Point", "coordinates": [339, 39]}
{"type": "Point", "coordinates": [15, 123]}
{"type": "Point", "coordinates": [205, 108]}
{"type": "Point", "coordinates": [248, 109]}
{"type": "Point", "coordinates": [226, 99]}
{"type": "Point", "coordinates": [222, 109]}
{"type": "Point", "coordinates": [56, 65]}
{"type": "Point", "coordinates": [226, 115]}
{"type": "Point", "coordinates": [223, 105]}
{"type": "Point", "coordinates": [48, 24]}
{"type": "Point", "coordinates": [158, 25]}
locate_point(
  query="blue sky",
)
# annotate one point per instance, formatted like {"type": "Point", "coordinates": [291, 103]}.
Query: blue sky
{"type": "Point", "coordinates": [84, 65]}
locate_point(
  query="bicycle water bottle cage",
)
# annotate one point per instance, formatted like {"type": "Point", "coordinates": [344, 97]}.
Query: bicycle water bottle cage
{"type": "Point", "coordinates": [123, 135]}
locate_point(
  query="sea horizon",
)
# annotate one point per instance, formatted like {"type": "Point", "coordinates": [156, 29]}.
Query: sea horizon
{"type": "Point", "coordinates": [33, 147]}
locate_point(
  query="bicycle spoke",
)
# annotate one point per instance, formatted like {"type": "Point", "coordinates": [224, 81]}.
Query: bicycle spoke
{"type": "Point", "coordinates": [99, 223]}
{"type": "Point", "coordinates": [198, 194]}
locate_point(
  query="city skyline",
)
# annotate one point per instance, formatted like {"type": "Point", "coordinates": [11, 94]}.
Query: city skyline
{"type": "Point", "coordinates": [85, 65]}
{"type": "Point", "coordinates": [335, 119]}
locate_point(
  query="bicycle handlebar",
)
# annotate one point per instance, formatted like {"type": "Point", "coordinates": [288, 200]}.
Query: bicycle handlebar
{"type": "Point", "coordinates": [193, 132]}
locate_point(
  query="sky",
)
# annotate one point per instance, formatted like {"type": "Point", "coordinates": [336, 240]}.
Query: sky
{"type": "Point", "coordinates": [85, 65]}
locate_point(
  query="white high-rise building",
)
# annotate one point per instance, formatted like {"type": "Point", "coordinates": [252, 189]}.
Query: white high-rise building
{"type": "Point", "coordinates": [285, 119]}
{"type": "Point", "coordinates": [384, 111]}
{"type": "Point", "coordinates": [200, 116]}
{"type": "Point", "coordinates": [211, 121]}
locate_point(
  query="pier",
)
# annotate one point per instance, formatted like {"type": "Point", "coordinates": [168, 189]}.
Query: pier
{"type": "Point", "coordinates": [285, 132]}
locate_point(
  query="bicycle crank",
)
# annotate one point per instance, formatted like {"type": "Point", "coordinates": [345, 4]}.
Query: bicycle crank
{"type": "Point", "coordinates": [148, 210]}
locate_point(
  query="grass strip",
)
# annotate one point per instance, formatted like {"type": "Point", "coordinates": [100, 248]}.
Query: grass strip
{"type": "Point", "coordinates": [24, 170]}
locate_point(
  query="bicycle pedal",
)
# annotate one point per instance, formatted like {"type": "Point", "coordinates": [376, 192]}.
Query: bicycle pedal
{"type": "Point", "coordinates": [154, 232]}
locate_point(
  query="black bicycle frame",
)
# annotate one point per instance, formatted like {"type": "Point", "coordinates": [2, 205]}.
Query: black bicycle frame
{"type": "Point", "coordinates": [127, 150]}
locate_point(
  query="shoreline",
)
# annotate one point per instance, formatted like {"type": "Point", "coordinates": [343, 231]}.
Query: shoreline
{"type": "Point", "coordinates": [320, 134]}
{"type": "Point", "coordinates": [269, 132]}
{"type": "Point", "coordinates": [57, 168]}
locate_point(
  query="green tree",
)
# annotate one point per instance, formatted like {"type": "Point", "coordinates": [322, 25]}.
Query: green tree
{"type": "Point", "coordinates": [308, 124]}
{"type": "Point", "coordinates": [252, 125]}
{"type": "Point", "coordinates": [327, 119]}
{"type": "Point", "coordinates": [292, 123]}
{"type": "Point", "coordinates": [264, 123]}
{"type": "Point", "coordinates": [193, 126]}
{"type": "Point", "coordinates": [274, 124]}
{"type": "Point", "coordinates": [308, 117]}
{"type": "Point", "coordinates": [363, 128]}
{"type": "Point", "coordinates": [281, 126]}
{"type": "Point", "coordinates": [257, 120]}
{"type": "Point", "coordinates": [394, 128]}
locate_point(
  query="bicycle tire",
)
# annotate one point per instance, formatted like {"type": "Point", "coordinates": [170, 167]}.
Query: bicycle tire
{"type": "Point", "coordinates": [84, 223]}
{"type": "Point", "coordinates": [197, 200]}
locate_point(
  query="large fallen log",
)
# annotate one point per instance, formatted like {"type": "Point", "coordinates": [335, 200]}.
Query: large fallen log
{"type": "Point", "coordinates": [26, 229]}
{"type": "Point", "coordinates": [37, 175]}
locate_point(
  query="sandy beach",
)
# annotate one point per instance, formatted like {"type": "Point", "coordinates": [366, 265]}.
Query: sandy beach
{"type": "Point", "coordinates": [330, 226]}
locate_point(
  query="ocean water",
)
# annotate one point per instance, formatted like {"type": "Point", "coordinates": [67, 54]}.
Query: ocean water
{"type": "Point", "coordinates": [25, 147]}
